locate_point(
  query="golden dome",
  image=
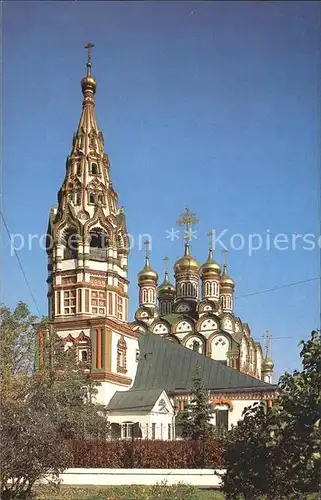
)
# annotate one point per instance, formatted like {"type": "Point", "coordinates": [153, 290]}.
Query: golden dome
{"type": "Point", "coordinates": [225, 279]}
{"type": "Point", "coordinates": [210, 266]}
{"type": "Point", "coordinates": [267, 364]}
{"type": "Point", "coordinates": [166, 286]}
{"type": "Point", "coordinates": [147, 273]}
{"type": "Point", "coordinates": [186, 263]}
{"type": "Point", "coordinates": [89, 83]}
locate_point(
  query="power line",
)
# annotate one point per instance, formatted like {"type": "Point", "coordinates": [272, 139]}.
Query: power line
{"type": "Point", "coordinates": [277, 288]}
{"type": "Point", "coordinates": [20, 265]}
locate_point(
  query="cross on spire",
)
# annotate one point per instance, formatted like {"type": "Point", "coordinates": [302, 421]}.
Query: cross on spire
{"type": "Point", "coordinates": [147, 248]}
{"type": "Point", "coordinates": [224, 253]}
{"type": "Point", "coordinates": [187, 219]}
{"type": "Point", "coordinates": [89, 46]}
{"type": "Point", "coordinates": [210, 239]}
{"type": "Point", "coordinates": [166, 259]}
{"type": "Point", "coordinates": [268, 344]}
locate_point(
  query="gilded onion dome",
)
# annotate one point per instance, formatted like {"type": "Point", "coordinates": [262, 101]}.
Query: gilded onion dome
{"type": "Point", "coordinates": [267, 364]}
{"type": "Point", "coordinates": [210, 266]}
{"type": "Point", "coordinates": [186, 263]}
{"type": "Point", "coordinates": [166, 287]}
{"type": "Point", "coordinates": [89, 82]}
{"type": "Point", "coordinates": [226, 280]}
{"type": "Point", "coordinates": [147, 273]}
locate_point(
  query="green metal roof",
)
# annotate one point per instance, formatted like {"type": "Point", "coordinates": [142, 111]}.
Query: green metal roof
{"type": "Point", "coordinates": [172, 367]}
{"type": "Point", "coordinates": [134, 400]}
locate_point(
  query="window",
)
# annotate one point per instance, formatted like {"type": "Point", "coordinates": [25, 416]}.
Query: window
{"type": "Point", "coordinates": [153, 431]}
{"type": "Point", "coordinates": [101, 199]}
{"type": "Point", "coordinates": [169, 432]}
{"type": "Point", "coordinates": [84, 356]}
{"type": "Point", "coordinates": [121, 356]}
{"type": "Point", "coordinates": [221, 418]}
{"type": "Point", "coordinates": [71, 245]}
{"type": "Point", "coordinates": [161, 430]}
{"type": "Point", "coordinates": [78, 169]}
{"type": "Point", "coordinates": [78, 198]}
{"type": "Point", "coordinates": [127, 430]}
{"type": "Point", "coordinates": [70, 302]}
{"type": "Point", "coordinates": [94, 169]}
{"type": "Point", "coordinates": [145, 295]}
{"type": "Point", "coordinates": [92, 198]}
{"type": "Point", "coordinates": [98, 245]}
{"type": "Point", "coordinates": [120, 309]}
{"type": "Point", "coordinates": [98, 302]}
{"type": "Point", "coordinates": [196, 346]}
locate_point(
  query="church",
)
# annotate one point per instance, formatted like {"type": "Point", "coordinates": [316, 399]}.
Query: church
{"type": "Point", "coordinates": [145, 367]}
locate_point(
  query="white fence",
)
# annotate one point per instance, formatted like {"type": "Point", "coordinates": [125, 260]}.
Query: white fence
{"type": "Point", "coordinates": [107, 477]}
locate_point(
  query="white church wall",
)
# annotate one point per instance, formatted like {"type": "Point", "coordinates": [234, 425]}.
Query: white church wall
{"type": "Point", "coordinates": [132, 347]}
{"type": "Point", "coordinates": [106, 391]}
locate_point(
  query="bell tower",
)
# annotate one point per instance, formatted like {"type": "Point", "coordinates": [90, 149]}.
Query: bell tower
{"type": "Point", "coordinates": [88, 246]}
{"type": "Point", "coordinates": [87, 255]}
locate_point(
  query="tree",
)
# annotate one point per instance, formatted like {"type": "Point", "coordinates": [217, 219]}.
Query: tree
{"type": "Point", "coordinates": [276, 452]}
{"type": "Point", "coordinates": [39, 410]}
{"type": "Point", "coordinates": [195, 421]}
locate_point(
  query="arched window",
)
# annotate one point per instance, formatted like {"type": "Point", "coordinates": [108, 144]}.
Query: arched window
{"type": "Point", "coordinates": [150, 295]}
{"type": "Point", "coordinates": [94, 169]}
{"type": "Point", "coordinates": [215, 286]}
{"type": "Point", "coordinates": [145, 295]}
{"type": "Point", "coordinates": [223, 300]}
{"type": "Point", "coordinates": [78, 198]}
{"type": "Point", "coordinates": [101, 199]}
{"type": "Point", "coordinates": [78, 169]}
{"type": "Point", "coordinates": [121, 356]}
{"type": "Point", "coordinates": [98, 245]}
{"type": "Point", "coordinates": [71, 244]}
{"type": "Point", "coordinates": [92, 198]}
{"type": "Point", "coordinates": [207, 288]}
{"type": "Point", "coordinates": [84, 356]}
{"type": "Point", "coordinates": [183, 289]}
{"type": "Point", "coordinates": [196, 345]}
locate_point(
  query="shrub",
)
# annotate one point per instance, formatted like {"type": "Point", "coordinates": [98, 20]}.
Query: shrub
{"type": "Point", "coordinates": [145, 454]}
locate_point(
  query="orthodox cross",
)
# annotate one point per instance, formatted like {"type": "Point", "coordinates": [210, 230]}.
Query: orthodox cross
{"type": "Point", "coordinates": [268, 338]}
{"type": "Point", "coordinates": [210, 238]}
{"type": "Point", "coordinates": [166, 259]}
{"type": "Point", "coordinates": [224, 253]}
{"type": "Point", "coordinates": [267, 343]}
{"type": "Point", "coordinates": [187, 219]}
{"type": "Point", "coordinates": [147, 249]}
{"type": "Point", "coordinates": [89, 46]}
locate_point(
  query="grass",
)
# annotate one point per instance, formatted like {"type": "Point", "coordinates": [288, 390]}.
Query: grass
{"type": "Point", "coordinates": [160, 492]}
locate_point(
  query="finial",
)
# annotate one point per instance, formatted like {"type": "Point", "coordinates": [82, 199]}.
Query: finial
{"type": "Point", "coordinates": [268, 344]}
{"type": "Point", "coordinates": [147, 252]}
{"type": "Point", "coordinates": [224, 253]}
{"type": "Point", "coordinates": [187, 219]}
{"type": "Point", "coordinates": [166, 260]}
{"type": "Point", "coordinates": [89, 46]}
{"type": "Point", "coordinates": [210, 246]}
{"type": "Point", "coordinates": [166, 278]}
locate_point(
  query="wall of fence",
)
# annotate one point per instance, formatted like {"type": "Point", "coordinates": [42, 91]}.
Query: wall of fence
{"type": "Point", "coordinates": [207, 478]}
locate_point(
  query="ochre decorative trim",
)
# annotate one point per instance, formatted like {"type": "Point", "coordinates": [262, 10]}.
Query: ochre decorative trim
{"type": "Point", "coordinates": [222, 401]}
{"type": "Point", "coordinates": [111, 377]}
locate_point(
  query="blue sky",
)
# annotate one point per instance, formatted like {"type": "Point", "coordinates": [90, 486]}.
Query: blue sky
{"type": "Point", "coordinates": [213, 105]}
